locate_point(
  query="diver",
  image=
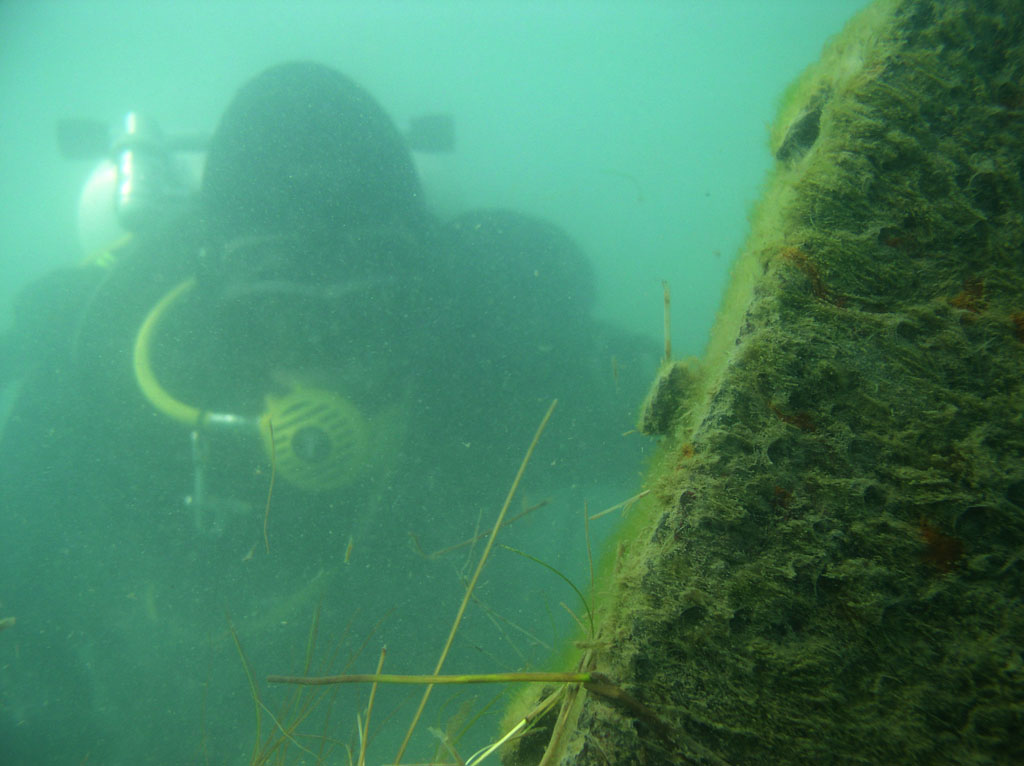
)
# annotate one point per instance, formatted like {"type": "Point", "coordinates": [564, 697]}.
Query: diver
{"type": "Point", "coordinates": [301, 298]}
{"type": "Point", "coordinates": [298, 363]}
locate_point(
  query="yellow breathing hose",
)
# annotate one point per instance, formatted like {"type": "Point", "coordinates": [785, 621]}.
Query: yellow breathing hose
{"type": "Point", "coordinates": [156, 394]}
{"type": "Point", "coordinates": [319, 439]}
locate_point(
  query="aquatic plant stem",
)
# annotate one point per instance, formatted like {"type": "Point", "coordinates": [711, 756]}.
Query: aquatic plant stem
{"type": "Point", "coordinates": [668, 320]}
{"type": "Point", "coordinates": [476, 575]}
{"type": "Point", "coordinates": [474, 678]}
{"type": "Point", "coordinates": [625, 505]}
{"type": "Point", "coordinates": [253, 688]}
{"type": "Point", "coordinates": [364, 739]}
{"type": "Point", "coordinates": [270, 491]}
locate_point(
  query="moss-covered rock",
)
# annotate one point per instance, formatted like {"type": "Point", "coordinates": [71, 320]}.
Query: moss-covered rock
{"type": "Point", "coordinates": [832, 564]}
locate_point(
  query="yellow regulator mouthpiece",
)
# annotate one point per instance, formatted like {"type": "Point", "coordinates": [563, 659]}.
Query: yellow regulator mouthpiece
{"type": "Point", "coordinates": [317, 439]}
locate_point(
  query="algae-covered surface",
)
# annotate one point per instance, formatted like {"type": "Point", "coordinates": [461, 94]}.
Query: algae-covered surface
{"type": "Point", "coordinates": [829, 567]}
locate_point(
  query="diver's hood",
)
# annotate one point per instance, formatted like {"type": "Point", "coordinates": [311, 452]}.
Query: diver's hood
{"type": "Point", "coordinates": [302, 148]}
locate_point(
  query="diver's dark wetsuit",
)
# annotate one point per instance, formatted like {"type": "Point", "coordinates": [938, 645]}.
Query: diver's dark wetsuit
{"type": "Point", "coordinates": [315, 264]}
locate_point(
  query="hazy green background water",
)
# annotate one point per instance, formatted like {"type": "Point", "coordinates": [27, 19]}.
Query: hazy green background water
{"type": "Point", "coordinates": [638, 127]}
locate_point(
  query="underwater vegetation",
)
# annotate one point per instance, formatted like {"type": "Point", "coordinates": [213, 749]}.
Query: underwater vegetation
{"type": "Point", "coordinates": [833, 570]}
{"type": "Point", "coordinates": [302, 728]}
